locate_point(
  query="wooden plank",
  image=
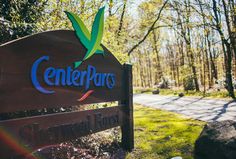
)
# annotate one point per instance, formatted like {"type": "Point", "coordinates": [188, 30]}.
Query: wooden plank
{"type": "Point", "coordinates": [127, 128]}
{"type": "Point", "coordinates": [63, 49]}
{"type": "Point", "coordinates": [20, 136]}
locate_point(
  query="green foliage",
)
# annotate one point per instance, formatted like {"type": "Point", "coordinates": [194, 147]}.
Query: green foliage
{"type": "Point", "coordinates": [169, 92]}
{"type": "Point", "coordinates": [188, 83]}
{"type": "Point", "coordinates": [162, 135]}
{"type": "Point", "coordinates": [19, 18]}
{"type": "Point", "coordinates": [142, 90]}
{"type": "Point", "coordinates": [115, 44]}
{"type": "Point", "coordinates": [212, 94]}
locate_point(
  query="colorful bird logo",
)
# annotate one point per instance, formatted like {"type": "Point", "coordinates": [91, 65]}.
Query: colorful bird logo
{"type": "Point", "coordinates": [91, 41]}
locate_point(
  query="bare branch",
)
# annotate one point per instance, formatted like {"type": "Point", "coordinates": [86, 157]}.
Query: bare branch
{"type": "Point", "coordinates": [149, 30]}
{"type": "Point", "coordinates": [121, 19]}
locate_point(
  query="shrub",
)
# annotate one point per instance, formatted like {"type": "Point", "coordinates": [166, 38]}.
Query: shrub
{"type": "Point", "coordinates": [164, 84]}
{"type": "Point", "coordinates": [189, 83]}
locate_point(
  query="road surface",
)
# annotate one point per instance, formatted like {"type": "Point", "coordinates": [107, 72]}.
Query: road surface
{"type": "Point", "coordinates": [195, 107]}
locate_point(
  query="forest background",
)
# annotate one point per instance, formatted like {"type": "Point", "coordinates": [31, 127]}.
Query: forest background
{"type": "Point", "coordinates": [177, 44]}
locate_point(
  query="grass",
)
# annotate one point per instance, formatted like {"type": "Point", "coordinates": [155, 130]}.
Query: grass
{"type": "Point", "coordinates": [142, 90]}
{"type": "Point", "coordinates": [213, 94]}
{"type": "Point", "coordinates": [163, 135]}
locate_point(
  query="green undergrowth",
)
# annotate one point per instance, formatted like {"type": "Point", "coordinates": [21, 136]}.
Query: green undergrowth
{"type": "Point", "coordinates": [142, 90]}
{"type": "Point", "coordinates": [163, 135]}
{"type": "Point", "coordinates": [212, 94]}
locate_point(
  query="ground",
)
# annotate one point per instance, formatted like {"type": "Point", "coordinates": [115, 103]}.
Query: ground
{"type": "Point", "coordinates": [161, 135]}
{"type": "Point", "coordinates": [201, 108]}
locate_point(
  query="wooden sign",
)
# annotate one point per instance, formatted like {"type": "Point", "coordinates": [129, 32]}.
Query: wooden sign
{"type": "Point", "coordinates": [57, 69]}
{"type": "Point", "coordinates": [35, 132]}
{"type": "Point", "coordinates": [54, 54]}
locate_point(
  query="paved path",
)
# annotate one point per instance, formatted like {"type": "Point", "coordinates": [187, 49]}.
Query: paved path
{"type": "Point", "coordinates": [194, 107]}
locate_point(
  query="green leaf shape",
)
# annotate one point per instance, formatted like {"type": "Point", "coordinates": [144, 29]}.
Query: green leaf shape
{"type": "Point", "coordinates": [81, 31]}
{"type": "Point", "coordinates": [77, 64]}
{"type": "Point", "coordinates": [99, 52]}
{"type": "Point", "coordinates": [97, 33]}
{"type": "Point", "coordinates": [80, 28]}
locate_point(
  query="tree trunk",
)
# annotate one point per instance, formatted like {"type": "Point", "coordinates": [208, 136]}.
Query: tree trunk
{"type": "Point", "coordinates": [158, 68]}
{"type": "Point", "coordinates": [228, 68]}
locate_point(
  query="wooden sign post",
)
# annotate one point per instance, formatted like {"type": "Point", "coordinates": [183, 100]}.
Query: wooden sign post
{"type": "Point", "coordinates": [39, 72]}
{"type": "Point", "coordinates": [127, 128]}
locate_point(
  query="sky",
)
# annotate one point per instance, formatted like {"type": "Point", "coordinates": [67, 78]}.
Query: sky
{"type": "Point", "coordinates": [133, 7]}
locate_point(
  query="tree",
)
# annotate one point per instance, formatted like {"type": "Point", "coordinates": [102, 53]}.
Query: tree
{"type": "Point", "coordinates": [149, 29]}
{"type": "Point", "coordinates": [227, 45]}
{"type": "Point", "coordinates": [19, 18]}
{"type": "Point", "coordinates": [184, 30]}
